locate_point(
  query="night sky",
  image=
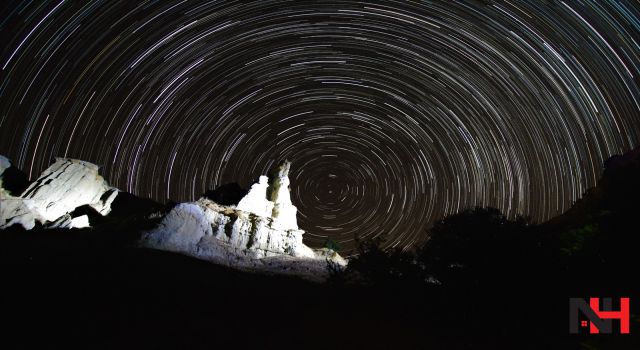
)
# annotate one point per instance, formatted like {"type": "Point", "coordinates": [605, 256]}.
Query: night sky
{"type": "Point", "coordinates": [394, 114]}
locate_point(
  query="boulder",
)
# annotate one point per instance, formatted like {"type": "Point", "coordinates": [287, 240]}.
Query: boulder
{"type": "Point", "coordinates": [60, 189]}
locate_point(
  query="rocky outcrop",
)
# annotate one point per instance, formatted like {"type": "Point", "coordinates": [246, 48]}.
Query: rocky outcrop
{"type": "Point", "coordinates": [270, 197]}
{"type": "Point", "coordinates": [190, 226]}
{"type": "Point", "coordinates": [261, 233]}
{"type": "Point", "coordinates": [61, 188]}
{"type": "Point", "coordinates": [256, 201]}
{"type": "Point", "coordinates": [284, 212]}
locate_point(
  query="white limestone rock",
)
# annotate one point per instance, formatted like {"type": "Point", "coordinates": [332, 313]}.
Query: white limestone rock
{"type": "Point", "coordinates": [284, 212]}
{"type": "Point", "coordinates": [181, 229]}
{"type": "Point", "coordinates": [259, 234]}
{"type": "Point", "coordinates": [61, 188]}
{"type": "Point", "coordinates": [68, 184]}
{"type": "Point", "coordinates": [15, 210]}
{"type": "Point", "coordinates": [256, 201]}
{"type": "Point", "coordinates": [237, 239]}
{"type": "Point", "coordinates": [187, 223]}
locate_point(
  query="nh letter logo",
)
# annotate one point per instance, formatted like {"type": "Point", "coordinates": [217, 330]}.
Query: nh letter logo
{"type": "Point", "coordinates": [598, 316]}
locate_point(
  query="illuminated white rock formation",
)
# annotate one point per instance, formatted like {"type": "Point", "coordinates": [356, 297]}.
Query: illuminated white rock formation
{"type": "Point", "coordinates": [61, 188]}
{"type": "Point", "coordinates": [190, 226]}
{"type": "Point", "coordinates": [256, 201]}
{"type": "Point", "coordinates": [258, 234]}
{"type": "Point", "coordinates": [284, 212]}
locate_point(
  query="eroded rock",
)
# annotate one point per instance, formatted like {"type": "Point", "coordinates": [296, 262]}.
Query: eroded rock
{"type": "Point", "coordinates": [261, 233]}
{"type": "Point", "coordinates": [61, 188]}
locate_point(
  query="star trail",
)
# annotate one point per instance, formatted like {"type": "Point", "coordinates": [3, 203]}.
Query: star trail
{"type": "Point", "coordinates": [394, 114]}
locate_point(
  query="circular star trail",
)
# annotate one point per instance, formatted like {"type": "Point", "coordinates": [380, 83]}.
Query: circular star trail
{"type": "Point", "coordinates": [394, 114]}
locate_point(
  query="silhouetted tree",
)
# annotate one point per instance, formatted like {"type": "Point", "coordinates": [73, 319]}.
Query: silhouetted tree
{"type": "Point", "coordinates": [477, 243]}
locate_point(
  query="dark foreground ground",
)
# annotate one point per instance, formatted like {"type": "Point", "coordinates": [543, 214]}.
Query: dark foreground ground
{"type": "Point", "coordinates": [65, 290]}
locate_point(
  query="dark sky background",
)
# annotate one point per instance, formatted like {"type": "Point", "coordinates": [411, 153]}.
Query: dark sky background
{"type": "Point", "coordinates": [393, 113]}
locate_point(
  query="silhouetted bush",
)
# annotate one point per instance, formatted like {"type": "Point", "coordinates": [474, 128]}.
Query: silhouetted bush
{"type": "Point", "coordinates": [375, 266]}
{"type": "Point", "coordinates": [331, 244]}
